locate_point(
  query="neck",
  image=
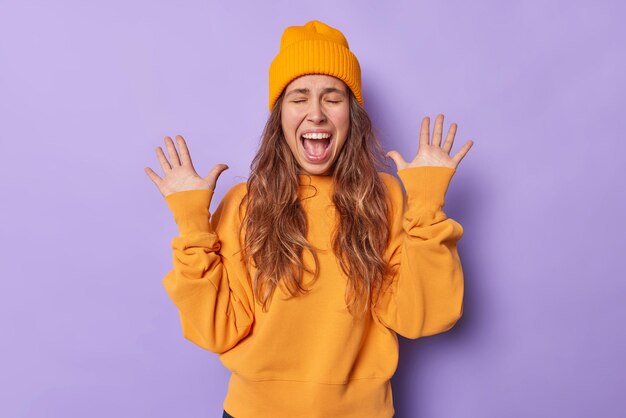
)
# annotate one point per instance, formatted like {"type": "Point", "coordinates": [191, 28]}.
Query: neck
{"type": "Point", "coordinates": [306, 179]}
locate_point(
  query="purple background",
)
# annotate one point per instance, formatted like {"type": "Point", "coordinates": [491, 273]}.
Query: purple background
{"type": "Point", "coordinates": [89, 89]}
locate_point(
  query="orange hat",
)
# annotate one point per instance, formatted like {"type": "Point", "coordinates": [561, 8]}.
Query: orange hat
{"type": "Point", "coordinates": [314, 48]}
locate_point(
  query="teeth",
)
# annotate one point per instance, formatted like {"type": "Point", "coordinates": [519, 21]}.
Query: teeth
{"type": "Point", "coordinates": [316, 136]}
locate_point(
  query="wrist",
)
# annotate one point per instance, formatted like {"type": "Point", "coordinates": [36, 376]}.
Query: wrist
{"type": "Point", "coordinates": [426, 186]}
{"type": "Point", "coordinates": [191, 210]}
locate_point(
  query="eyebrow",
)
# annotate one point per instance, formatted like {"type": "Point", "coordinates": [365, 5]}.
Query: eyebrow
{"type": "Point", "coordinates": [324, 91]}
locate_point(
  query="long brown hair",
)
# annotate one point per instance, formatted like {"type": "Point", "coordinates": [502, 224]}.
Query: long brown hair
{"type": "Point", "coordinates": [275, 222]}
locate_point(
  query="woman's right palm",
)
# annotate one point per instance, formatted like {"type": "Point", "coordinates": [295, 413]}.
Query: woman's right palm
{"type": "Point", "coordinates": [180, 174]}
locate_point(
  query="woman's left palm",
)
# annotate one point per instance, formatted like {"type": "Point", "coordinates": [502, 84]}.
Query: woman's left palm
{"type": "Point", "coordinates": [434, 154]}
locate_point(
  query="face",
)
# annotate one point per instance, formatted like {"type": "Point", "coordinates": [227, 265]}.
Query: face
{"type": "Point", "coordinates": [315, 118]}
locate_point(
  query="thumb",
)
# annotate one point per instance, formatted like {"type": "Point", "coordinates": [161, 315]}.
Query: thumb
{"type": "Point", "coordinates": [215, 174]}
{"type": "Point", "coordinates": [397, 159]}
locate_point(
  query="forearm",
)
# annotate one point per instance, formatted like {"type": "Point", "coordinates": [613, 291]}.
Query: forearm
{"type": "Point", "coordinates": [199, 285]}
{"type": "Point", "coordinates": [426, 293]}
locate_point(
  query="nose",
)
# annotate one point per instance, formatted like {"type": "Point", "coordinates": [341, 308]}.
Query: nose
{"type": "Point", "coordinates": [316, 113]}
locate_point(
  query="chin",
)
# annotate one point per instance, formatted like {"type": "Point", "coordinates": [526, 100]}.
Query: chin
{"type": "Point", "coordinates": [316, 170]}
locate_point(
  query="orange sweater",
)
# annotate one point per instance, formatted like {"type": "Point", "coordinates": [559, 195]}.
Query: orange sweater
{"type": "Point", "coordinates": [305, 357]}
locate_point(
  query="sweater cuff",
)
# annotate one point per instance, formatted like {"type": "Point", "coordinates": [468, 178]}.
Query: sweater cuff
{"type": "Point", "coordinates": [191, 210]}
{"type": "Point", "coordinates": [426, 186]}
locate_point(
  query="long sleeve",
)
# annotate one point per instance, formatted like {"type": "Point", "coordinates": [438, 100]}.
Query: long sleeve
{"type": "Point", "coordinates": [209, 283]}
{"type": "Point", "coordinates": [425, 296]}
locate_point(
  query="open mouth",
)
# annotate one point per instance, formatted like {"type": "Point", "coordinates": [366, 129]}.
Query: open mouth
{"type": "Point", "coordinates": [316, 146]}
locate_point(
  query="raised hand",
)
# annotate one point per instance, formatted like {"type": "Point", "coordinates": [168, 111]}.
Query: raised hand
{"type": "Point", "coordinates": [180, 174]}
{"type": "Point", "coordinates": [433, 154]}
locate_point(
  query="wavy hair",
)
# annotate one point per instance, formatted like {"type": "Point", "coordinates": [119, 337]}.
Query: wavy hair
{"type": "Point", "coordinates": [275, 223]}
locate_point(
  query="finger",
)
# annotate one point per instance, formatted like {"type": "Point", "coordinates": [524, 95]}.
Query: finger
{"type": "Point", "coordinates": [462, 152]}
{"type": "Point", "coordinates": [438, 131]}
{"type": "Point", "coordinates": [447, 145]}
{"type": "Point", "coordinates": [215, 174]}
{"type": "Point", "coordinates": [185, 157]}
{"type": "Point", "coordinates": [424, 132]}
{"type": "Point", "coordinates": [171, 150]}
{"type": "Point", "coordinates": [153, 176]}
{"type": "Point", "coordinates": [165, 165]}
{"type": "Point", "coordinates": [397, 159]}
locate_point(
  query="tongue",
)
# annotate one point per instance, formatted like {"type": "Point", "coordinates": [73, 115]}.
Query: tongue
{"type": "Point", "coordinates": [316, 147]}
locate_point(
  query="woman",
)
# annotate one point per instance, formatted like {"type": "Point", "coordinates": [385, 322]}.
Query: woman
{"type": "Point", "coordinates": [304, 275]}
